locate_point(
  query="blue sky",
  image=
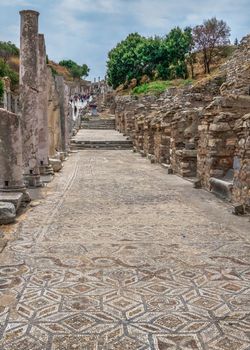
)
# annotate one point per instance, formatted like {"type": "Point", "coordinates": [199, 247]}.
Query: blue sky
{"type": "Point", "coordinates": [85, 30]}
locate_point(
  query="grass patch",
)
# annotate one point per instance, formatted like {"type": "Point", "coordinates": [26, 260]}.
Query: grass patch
{"type": "Point", "coordinates": [159, 86]}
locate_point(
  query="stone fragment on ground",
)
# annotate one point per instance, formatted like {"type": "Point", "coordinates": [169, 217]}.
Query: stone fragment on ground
{"type": "Point", "coordinates": [15, 198]}
{"type": "Point", "coordinates": [56, 164]}
{"type": "Point", "coordinates": [7, 213]}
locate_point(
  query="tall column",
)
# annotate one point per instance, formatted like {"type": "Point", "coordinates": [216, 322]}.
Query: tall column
{"type": "Point", "coordinates": [29, 95]}
{"type": "Point", "coordinates": [43, 127]}
{"type": "Point", "coordinates": [63, 103]}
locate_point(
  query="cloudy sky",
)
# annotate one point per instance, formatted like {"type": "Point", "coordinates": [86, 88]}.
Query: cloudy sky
{"type": "Point", "coordinates": [85, 30]}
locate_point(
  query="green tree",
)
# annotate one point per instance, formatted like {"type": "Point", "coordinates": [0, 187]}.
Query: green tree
{"type": "Point", "coordinates": [123, 62]}
{"type": "Point", "coordinates": [178, 44]}
{"type": "Point", "coordinates": [6, 71]}
{"type": "Point", "coordinates": [236, 42]}
{"type": "Point", "coordinates": [85, 70]}
{"type": "Point", "coordinates": [162, 58]}
{"type": "Point", "coordinates": [68, 63]}
{"type": "Point", "coordinates": [75, 69]}
{"type": "Point", "coordinates": [208, 36]}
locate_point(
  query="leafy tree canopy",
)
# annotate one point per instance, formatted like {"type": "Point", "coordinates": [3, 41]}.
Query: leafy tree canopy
{"type": "Point", "coordinates": [76, 70]}
{"type": "Point", "coordinates": [156, 57]}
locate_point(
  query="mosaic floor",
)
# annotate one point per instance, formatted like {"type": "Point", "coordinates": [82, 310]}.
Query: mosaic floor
{"type": "Point", "coordinates": [122, 256]}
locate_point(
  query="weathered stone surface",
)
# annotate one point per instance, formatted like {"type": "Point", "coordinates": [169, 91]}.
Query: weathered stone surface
{"type": "Point", "coordinates": [56, 164]}
{"type": "Point", "coordinates": [43, 127]}
{"type": "Point", "coordinates": [29, 91]}
{"type": "Point", "coordinates": [221, 187]}
{"type": "Point", "coordinates": [219, 127]}
{"type": "Point", "coordinates": [11, 161]}
{"type": "Point", "coordinates": [63, 105]}
{"type": "Point", "coordinates": [7, 213]}
{"type": "Point", "coordinates": [198, 130]}
{"type": "Point", "coordinates": [54, 123]}
{"type": "Point", "coordinates": [15, 198]}
{"type": "Point", "coordinates": [237, 70]}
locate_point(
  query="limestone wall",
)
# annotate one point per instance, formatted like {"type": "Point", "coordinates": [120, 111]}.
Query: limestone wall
{"type": "Point", "coordinates": [237, 71]}
{"type": "Point", "coordinates": [241, 189]}
{"type": "Point", "coordinates": [201, 131]}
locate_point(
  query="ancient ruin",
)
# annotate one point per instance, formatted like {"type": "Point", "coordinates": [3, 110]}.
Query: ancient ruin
{"type": "Point", "coordinates": [36, 139]}
{"type": "Point", "coordinates": [199, 132]}
{"type": "Point", "coordinates": [116, 225]}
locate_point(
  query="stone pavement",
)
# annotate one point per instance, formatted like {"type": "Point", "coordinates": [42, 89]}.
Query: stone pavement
{"type": "Point", "coordinates": [120, 255]}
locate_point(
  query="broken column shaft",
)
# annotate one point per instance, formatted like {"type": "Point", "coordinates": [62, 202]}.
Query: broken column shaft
{"type": "Point", "coordinates": [29, 95]}
{"type": "Point", "coordinates": [11, 164]}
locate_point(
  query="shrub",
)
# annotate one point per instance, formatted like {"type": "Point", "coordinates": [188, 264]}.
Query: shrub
{"type": "Point", "coordinates": [6, 71]}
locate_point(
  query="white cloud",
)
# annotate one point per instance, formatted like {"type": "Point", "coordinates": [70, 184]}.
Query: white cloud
{"type": "Point", "coordinates": [85, 30]}
{"type": "Point", "coordinates": [14, 3]}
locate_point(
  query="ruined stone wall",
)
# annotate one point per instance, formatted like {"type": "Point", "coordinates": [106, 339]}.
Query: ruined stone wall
{"type": "Point", "coordinates": [218, 138]}
{"type": "Point", "coordinates": [241, 189]}
{"type": "Point", "coordinates": [237, 70]}
{"type": "Point", "coordinates": [158, 130]}
{"type": "Point", "coordinates": [220, 155]}
{"type": "Point", "coordinates": [201, 131]}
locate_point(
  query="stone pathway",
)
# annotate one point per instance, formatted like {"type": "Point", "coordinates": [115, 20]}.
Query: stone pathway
{"type": "Point", "coordinates": [121, 255]}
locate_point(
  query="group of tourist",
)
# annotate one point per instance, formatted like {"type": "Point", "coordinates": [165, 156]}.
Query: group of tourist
{"type": "Point", "coordinates": [80, 98]}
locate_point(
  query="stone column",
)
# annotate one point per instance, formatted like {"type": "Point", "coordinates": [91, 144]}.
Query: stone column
{"type": "Point", "coordinates": [29, 95]}
{"type": "Point", "coordinates": [63, 103]}
{"type": "Point", "coordinates": [11, 164]}
{"type": "Point", "coordinates": [43, 128]}
{"type": "Point", "coordinates": [7, 94]}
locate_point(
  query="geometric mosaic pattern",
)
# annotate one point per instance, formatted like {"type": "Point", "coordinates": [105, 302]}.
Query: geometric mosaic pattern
{"type": "Point", "coordinates": [115, 257]}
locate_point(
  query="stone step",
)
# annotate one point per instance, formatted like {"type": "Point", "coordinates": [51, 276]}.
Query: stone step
{"type": "Point", "coordinates": [102, 142]}
{"type": "Point", "coordinates": [126, 144]}
{"type": "Point", "coordinates": [101, 121]}
{"type": "Point", "coordinates": [90, 124]}
{"type": "Point", "coordinates": [99, 124]}
{"type": "Point", "coordinates": [98, 127]}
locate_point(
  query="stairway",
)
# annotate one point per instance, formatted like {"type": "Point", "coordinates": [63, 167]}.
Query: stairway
{"type": "Point", "coordinates": [100, 134]}
{"type": "Point", "coordinates": [108, 145]}
{"type": "Point", "coordinates": [99, 124]}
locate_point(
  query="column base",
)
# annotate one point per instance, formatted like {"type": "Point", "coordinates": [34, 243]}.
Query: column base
{"type": "Point", "coordinates": [25, 195]}
{"type": "Point", "coordinates": [33, 181]}
{"type": "Point", "coordinates": [63, 156]}
{"type": "Point", "coordinates": [46, 170]}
